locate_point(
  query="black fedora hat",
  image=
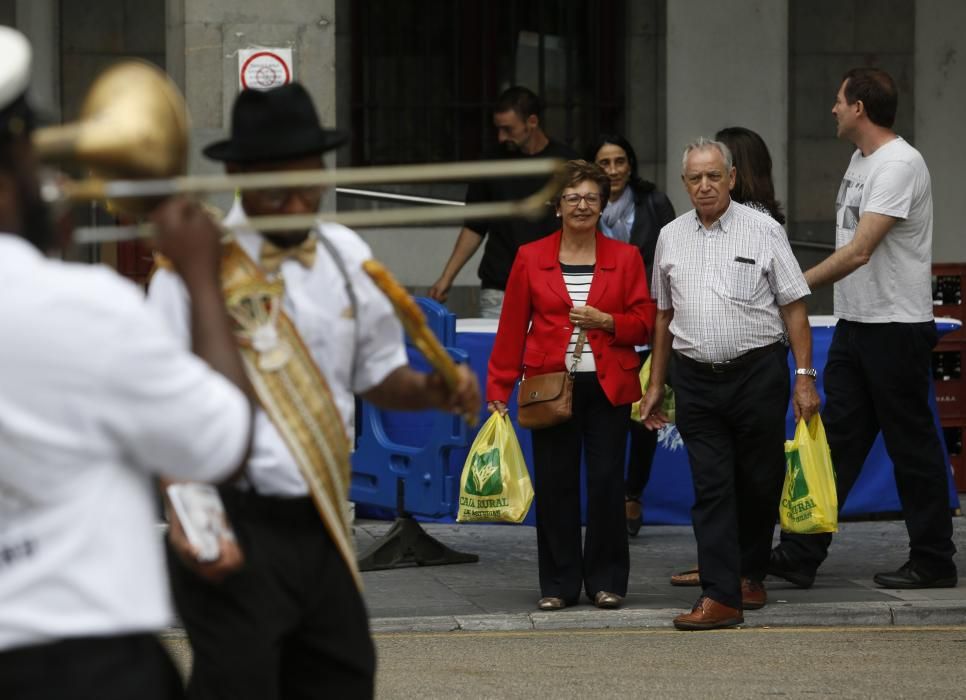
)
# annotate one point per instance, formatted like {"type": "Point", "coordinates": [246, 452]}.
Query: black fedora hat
{"type": "Point", "coordinates": [272, 125]}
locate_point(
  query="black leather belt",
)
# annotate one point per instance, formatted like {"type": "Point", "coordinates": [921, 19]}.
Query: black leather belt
{"type": "Point", "coordinates": [730, 365]}
{"type": "Point", "coordinates": [297, 510]}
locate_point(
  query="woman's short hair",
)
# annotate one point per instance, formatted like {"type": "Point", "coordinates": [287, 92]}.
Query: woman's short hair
{"type": "Point", "coordinates": [577, 171]}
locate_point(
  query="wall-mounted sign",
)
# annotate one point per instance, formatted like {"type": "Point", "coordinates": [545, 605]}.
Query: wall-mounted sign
{"type": "Point", "coordinates": [264, 69]}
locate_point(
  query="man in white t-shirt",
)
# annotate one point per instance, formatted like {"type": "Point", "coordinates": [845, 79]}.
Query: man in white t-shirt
{"type": "Point", "coordinates": [879, 371]}
{"type": "Point", "coordinates": [97, 399]}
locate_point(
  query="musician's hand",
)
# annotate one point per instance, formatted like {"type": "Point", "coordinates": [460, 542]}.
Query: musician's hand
{"type": "Point", "coordinates": [230, 557]}
{"type": "Point", "coordinates": [189, 238]}
{"type": "Point", "coordinates": [464, 400]}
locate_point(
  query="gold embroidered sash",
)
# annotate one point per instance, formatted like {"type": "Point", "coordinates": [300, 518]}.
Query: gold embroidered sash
{"type": "Point", "coordinates": [292, 391]}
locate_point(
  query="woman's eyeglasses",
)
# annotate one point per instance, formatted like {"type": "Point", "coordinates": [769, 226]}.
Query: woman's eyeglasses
{"type": "Point", "coordinates": [573, 199]}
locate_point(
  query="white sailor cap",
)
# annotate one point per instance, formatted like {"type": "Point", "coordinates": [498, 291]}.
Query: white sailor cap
{"type": "Point", "coordinates": [14, 79]}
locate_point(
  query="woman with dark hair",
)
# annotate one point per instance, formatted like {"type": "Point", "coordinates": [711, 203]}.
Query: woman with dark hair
{"type": "Point", "coordinates": [753, 188]}
{"type": "Point", "coordinates": [571, 286]}
{"type": "Point", "coordinates": [753, 184]}
{"type": "Point", "coordinates": [636, 210]}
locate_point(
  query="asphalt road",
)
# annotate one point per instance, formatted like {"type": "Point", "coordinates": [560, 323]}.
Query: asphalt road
{"type": "Point", "coordinates": [880, 662]}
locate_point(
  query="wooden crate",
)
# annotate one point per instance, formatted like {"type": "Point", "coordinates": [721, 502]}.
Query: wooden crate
{"type": "Point", "coordinates": [948, 289]}
{"type": "Point", "coordinates": [953, 434]}
{"type": "Point", "coordinates": [947, 372]}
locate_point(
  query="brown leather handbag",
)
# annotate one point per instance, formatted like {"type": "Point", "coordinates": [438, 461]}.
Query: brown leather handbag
{"type": "Point", "coordinates": [547, 399]}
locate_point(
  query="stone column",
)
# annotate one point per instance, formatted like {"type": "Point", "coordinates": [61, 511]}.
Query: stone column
{"type": "Point", "coordinates": [727, 65]}
{"type": "Point", "coordinates": [644, 71]}
{"type": "Point", "coordinates": [204, 37]}
{"type": "Point", "coordinates": [39, 20]}
{"type": "Point", "coordinates": [940, 74]}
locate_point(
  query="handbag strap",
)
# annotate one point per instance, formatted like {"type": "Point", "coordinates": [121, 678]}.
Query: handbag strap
{"type": "Point", "coordinates": [578, 351]}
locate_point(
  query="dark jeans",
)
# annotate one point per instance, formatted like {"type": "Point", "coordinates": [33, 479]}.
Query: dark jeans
{"type": "Point", "coordinates": [733, 426]}
{"type": "Point", "coordinates": [290, 624]}
{"type": "Point", "coordinates": [109, 668]}
{"type": "Point", "coordinates": [600, 430]}
{"type": "Point", "coordinates": [641, 456]}
{"type": "Point", "coordinates": [878, 378]}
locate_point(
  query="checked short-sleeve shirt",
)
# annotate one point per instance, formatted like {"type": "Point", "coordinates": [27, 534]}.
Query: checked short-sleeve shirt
{"type": "Point", "coordinates": [725, 283]}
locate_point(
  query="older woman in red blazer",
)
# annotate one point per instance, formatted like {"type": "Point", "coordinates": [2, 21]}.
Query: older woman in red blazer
{"type": "Point", "coordinates": [577, 279]}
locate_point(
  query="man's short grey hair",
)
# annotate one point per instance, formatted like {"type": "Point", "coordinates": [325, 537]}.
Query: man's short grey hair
{"type": "Point", "coordinates": [703, 144]}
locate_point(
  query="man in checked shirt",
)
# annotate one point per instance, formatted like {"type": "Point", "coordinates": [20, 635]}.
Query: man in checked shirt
{"type": "Point", "coordinates": [724, 278]}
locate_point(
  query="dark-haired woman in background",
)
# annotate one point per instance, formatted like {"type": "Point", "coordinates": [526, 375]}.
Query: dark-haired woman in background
{"type": "Point", "coordinates": [753, 188]}
{"type": "Point", "coordinates": [753, 184]}
{"type": "Point", "coordinates": [636, 210]}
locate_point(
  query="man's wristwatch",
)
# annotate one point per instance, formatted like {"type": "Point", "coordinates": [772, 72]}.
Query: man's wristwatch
{"type": "Point", "coordinates": [808, 372]}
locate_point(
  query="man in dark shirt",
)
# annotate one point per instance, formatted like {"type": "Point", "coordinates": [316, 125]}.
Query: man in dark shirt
{"type": "Point", "coordinates": [520, 135]}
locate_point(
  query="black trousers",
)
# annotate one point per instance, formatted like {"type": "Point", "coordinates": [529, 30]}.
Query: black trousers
{"type": "Point", "coordinates": [640, 459]}
{"type": "Point", "coordinates": [108, 668]}
{"type": "Point", "coordinates": [603, 563]}
{"type": "Point", "coordinates": [878, 378]}
{"type": "Point", "coordinates": [290, 624]}
{"type": "Point", "coordinates": [733, 426]}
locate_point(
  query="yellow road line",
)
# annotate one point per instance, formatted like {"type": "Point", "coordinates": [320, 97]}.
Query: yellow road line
{"type": "Point", "coordinates": [663, 631]}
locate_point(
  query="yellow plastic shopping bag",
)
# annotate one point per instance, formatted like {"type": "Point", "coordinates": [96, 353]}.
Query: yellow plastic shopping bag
{"type": "Point", "coordinates": [495, 485]}
{"type": "Point", "coordinates": [809, 502]}
{"type": "Point", "coordinates": [667, 406]}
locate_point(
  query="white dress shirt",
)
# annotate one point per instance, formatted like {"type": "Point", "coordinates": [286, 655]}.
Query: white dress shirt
{"type": "Point", "coordinates": [96, 396]}
{"type": "Point", "coordinates": [725, 283]}
{"type": "Point", "coordinates": [317, 303]}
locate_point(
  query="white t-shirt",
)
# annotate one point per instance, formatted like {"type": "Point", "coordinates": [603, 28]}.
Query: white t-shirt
{"type": "Point", "coordinates": [317, 303]}
{"type": "Point", "coordinates": [896, 284]}
{"type": "Point", "coordinates": [97, 397]}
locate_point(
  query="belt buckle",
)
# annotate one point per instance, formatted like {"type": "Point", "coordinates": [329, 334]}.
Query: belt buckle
{"type": "Point", "coordinates": [720, 367]}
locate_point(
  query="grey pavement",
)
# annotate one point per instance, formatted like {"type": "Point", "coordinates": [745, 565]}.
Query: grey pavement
{"type": "Point", "coordinates": [500, 591]}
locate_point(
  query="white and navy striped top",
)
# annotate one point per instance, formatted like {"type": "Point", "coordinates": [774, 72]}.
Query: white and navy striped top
{"type": "Point", "coordinates": [578, 279]}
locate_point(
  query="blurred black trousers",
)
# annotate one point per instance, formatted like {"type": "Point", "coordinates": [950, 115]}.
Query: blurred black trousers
{"type": "Point", "coordinates": [107, 668]}
{"type": "Point", "coordinates": [290, 624]}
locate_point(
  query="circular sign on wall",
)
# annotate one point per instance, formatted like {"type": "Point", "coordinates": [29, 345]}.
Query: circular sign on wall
{"type": "Point", "coordinates": [264, 69]}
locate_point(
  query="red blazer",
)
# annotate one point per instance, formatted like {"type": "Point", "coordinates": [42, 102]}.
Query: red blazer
{"type": "Point", "coordinates": [536, 298]}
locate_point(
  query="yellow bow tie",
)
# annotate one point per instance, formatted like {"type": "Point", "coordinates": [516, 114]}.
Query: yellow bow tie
{"type": "Point", "coordinates": [271, 256]}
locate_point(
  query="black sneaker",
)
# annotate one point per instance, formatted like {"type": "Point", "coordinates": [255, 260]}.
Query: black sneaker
{"type": "Point", "coordinates": [911, 576]}
{"type": "Point", "coordinates": [781, 565]}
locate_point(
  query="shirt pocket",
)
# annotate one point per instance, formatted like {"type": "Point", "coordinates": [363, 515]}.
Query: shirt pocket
{"type": "Point", "coordinates": [740, 280]}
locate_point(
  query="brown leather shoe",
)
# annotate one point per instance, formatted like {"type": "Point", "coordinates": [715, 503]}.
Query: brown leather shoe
{"type": "Point", "coordinates": [606, 600]}
{"type": "Point", "coordinates": [551, 603]}
{"type": "Point", "coordinates": [753, 595]}
{"type": "Point", "coordinates": [708, 614]}
{"type": "Point", "coordinates": [691, 577]}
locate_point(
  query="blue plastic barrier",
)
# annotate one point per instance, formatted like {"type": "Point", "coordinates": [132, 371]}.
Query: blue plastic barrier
{"type": "Point", "coordinates": [669, 493]}
{"type": "Point", "coordinates": [413, 447]}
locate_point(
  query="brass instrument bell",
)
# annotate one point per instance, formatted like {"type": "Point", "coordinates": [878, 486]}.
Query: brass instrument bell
{"type": "Point", "coordinates": [133, 124]}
